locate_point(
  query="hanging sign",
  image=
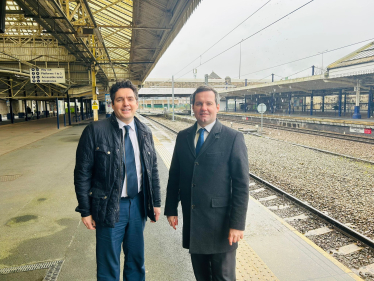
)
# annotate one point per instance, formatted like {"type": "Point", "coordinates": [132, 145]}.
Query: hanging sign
{"type": "Point", "coordinates": [47, 75]}
{"type": "Point", "coordinates": [95, 104]}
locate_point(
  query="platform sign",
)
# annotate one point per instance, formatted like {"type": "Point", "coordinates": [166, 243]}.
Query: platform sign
{"type": "Point", "coordinates": [367, 131]}
{"type": "Point", "coordinates": [95, 104]}
{"type": "Point", "coordinates": [356, 130]}
{"type": "Point", "coordinates": [261, 108]}
{"type": "Point", "coordinates": [47, 75]}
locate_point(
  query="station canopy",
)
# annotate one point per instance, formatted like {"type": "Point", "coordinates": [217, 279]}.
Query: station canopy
{"type": "Point", "coordinates": [110, 39]}
{"type": "Point", "coordinates": [343, 74]}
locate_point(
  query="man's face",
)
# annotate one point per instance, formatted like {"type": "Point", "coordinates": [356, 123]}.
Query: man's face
{"type": "Point", "coordinates": [205, 108]}
{"type": "Point", "coordinates": [125, 105]}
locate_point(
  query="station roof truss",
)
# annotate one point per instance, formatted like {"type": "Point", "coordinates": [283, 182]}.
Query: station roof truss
{"type": "Point", "coordinates": [117, 39]}
{"type": "Point", "coordinates": [364, 54]}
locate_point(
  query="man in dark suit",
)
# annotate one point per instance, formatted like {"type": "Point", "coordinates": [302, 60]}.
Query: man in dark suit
{"type": "Point", "coordinates": [209, 174]}
{"type": "Point", "coordinates": [117, 185]}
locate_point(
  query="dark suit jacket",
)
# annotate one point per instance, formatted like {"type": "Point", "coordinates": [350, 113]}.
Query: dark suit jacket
{"type": "Point", "coordinates": [212, 187]}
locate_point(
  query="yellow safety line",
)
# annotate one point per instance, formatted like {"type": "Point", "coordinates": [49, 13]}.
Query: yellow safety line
{"type": "Point", "coordinates": [311, 243]}
{"type": "Point", "coordinates": [249, 265]}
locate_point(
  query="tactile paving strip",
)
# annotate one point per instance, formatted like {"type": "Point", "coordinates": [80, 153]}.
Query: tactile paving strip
{"type": "Point", "coordinates": [54, 267]}
{"type": "Point", "coordinates": [249, 265]}
{"type": "Point", "coordinates": [163, 152]}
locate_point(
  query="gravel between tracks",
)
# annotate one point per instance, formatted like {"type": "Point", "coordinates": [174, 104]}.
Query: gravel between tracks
{"type": "Point", "coordinates": [342, 188]}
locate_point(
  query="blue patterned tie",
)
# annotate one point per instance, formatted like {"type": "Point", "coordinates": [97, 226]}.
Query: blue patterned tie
{"type": "Point", "coordinates": [200, 141]}
{"type": "Point", "coordinates": [130, 166]}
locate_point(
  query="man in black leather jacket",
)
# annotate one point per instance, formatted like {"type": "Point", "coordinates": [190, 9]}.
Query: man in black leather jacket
{"type": "Point", "coordinates": [117, 185]}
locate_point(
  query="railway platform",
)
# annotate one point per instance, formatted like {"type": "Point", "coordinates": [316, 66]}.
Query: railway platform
{"type": "Point", "coordinates": [43, 237]}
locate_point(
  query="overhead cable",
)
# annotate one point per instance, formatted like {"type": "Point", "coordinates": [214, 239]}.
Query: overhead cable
{"type": "Point", "coordinates": [252, 35]}
{"type": "Point", "coordinates": [223, 37]}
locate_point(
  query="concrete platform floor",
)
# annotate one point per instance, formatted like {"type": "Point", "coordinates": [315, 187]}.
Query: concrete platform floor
{"type": "Point", "coordinates": [39, 224]}
{"type": "Point", "coordinates": [38, 221]}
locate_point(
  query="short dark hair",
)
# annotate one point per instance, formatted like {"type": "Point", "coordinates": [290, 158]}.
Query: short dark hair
{"type": "Point", "coordinates": [205, 88]}
{"type": "Point", "coordinates": [122, 84]}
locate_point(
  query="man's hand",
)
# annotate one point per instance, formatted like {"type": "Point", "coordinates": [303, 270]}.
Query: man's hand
{"type": "Point", "coordinates": [235, 236]}
{"type": "Point", "coordinates": [89, 222]}
{"type": "Point", "coordinates": [157, 212]}
{"type": "Point", "coordinates": [173, 221]}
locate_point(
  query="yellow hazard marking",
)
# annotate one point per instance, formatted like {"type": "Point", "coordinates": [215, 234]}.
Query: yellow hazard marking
{"type": "Point", "coordinates": [249, 265]}
{"type": "Point", "coordinates": [311, 243]}
{"type": "Point", "coordinates": [163, 152]}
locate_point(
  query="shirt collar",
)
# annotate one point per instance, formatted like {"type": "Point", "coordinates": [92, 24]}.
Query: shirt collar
{"type": "Point", "coordinates": [122, 124]}
{"type": "Point", "coordinates": [208, 128]}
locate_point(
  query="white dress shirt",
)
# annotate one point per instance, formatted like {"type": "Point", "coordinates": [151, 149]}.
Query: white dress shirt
{"type": "Point", "coordinates": [207, 128]}
{"type": "Point", "coordinates": [135, 145]}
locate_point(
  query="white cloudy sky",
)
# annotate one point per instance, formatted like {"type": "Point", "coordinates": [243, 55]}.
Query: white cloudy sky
{"type": "Point", "coordinates": [319, 26]}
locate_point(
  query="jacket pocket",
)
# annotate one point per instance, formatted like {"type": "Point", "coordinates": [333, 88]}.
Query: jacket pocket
{"type": "Point", "coordinates": [98, 204]}
{"type": "Point", "coordinates": [103, 162]}
{"type": "Point", "coordinates": [97, 193]}
{"type": "Point", "coordinates": [220, 202]}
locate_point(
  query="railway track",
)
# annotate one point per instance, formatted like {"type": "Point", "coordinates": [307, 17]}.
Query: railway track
{"type": "Point", "coordinates": [361, 139]}
{"type": "Point", "coordinates": [295, 211]}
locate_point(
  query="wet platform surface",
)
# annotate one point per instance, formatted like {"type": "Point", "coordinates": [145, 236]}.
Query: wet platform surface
{"type": "Point", "coordinates": [39, 225]}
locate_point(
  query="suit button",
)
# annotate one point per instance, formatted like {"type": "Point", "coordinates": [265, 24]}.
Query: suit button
{"type": "Point", "coordinates": [196, 163]}
{"type": "Point", "coordinates": [104, 197]}
{"type": "Point", "coordinates": [193, 206]}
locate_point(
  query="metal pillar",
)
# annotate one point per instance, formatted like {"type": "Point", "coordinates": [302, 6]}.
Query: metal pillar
{"type": "Point", "coordinates": [63, 102]}
{"type": "Point", "coordinates": [235, 104]}
{"type": "Point", "coordinates": [245, 103]}
{"type": "Point", "coordinates": [227, 104]}
{"type": "Point", "coordinates": [45, 108]}
{"type": "Point", "coordinates": [58, 117]}
{"type": "Point", "coordinates": [370, 100]}
{"type": "Point", "coordinates": [272, 103]}
{"type": "Point", "coordinates": [69, 114]}
{"type": "Point", "coordinates": [357, 114]}
{"type": "Point", "coordinates": [26, 119]}
{"type": "Point", "coordinates": [311, 103]}
{"type": "Point", "coordinates": [289, 105]}
{"type": "Point", "coordinates": [323, 101]}
{"type": "Point", "coordinates": [345, 103]}
{"type": "Point", "coordinates": [312, 70]}
{"type": "Point", "coordinates": [272, 77]}
{"type": "Point", "coordinates": [245, 82]}
{"type": "Point", "coordinates": [81, 102]}
{"type": "Point", "coordinates": [10, 100]}
{"type": "Point", "coordinates": [172, 93]}
{"type": "Point", "coordinates": [75, 109]}
{"type": "Point", "coordinates": [340, 103]}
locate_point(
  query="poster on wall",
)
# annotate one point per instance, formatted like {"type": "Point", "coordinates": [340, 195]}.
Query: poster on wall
{"type": "Point", "coordinates": [61, 107]}
{"type": "Point", "coordinates": [108, 104]}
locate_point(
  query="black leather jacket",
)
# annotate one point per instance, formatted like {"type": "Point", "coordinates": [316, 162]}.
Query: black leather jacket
{"type": "Point", "coordinates": [98, 173]}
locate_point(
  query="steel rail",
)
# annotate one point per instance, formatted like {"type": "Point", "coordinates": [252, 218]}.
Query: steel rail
{"type": "Point", "coordinates": [335, 223]}
{"type": "Point", "coordinates": [343, 228]}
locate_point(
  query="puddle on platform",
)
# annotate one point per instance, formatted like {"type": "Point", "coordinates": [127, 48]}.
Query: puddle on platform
{"type": "Point", "coordinates": [20, 219]}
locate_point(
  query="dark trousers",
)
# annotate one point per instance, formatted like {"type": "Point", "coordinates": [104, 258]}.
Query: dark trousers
{"type": "Point", "coordinates": [128, 232]}
{"type": "Point", "coordinates": [214, 267]}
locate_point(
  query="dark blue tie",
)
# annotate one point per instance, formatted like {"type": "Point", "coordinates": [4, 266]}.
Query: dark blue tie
{"type": "Point", "coordinates": [200, 141]}
{"type": "Point", "coordinates": [130, 166]}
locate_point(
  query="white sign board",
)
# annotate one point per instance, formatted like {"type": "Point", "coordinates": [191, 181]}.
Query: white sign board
{"type": "Point", "coordinates": [108, 103]}
{"type": "Point", "coordinates": [356, 130]}
{"type": "Point", "coordinates": [261, 108]}
{"type": "Point", "coordinates": [61, 107]}
{"type": "Point", "coordinates": [47, 75]}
